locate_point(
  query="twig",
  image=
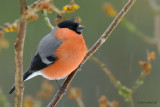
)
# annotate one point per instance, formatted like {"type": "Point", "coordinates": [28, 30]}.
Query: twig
{"type": "Point", "coordinates": [28, 15]}
{"type": "Point", "coordinates": [106, 70]}
{"type": "Point", "coordinates": [131, 100]}
{"type": "Point", "coordinates": [79, 102]}
{"type": "Point", "coordinates": [76, 94]}
{"type": "Point", "coordinates": [145, 37]}
{"type": "Point", "coordinates": [58, 11]}
{"type": "Point", "coordinates": [139, 81]}
{"type": "Point", "coordinates": [47, 20]}
{"type": "Point", "coordinates": [127, 93]}
{"type": "Point", "coordinates": [104, 102]}
{"type": "Point", "coordinates": [92, 50]}
{"type": "Point", "coordinates": [157, 30]}
{"type": "Point", "coordinates": [18, 99]}
{"type": "Point", "coordinates": [132, 28]}
{"type": "Point", "coordinates": [122, 90]}
{"type": "Point", "coordinates": [156, 9]}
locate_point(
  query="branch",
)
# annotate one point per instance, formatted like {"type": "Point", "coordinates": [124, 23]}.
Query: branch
{"type": "Point", "coordinates": [157, 30]}
{"type": "Point", "coordinates": [132, 28]}
{"type": "Point", "coordinates": [123, 90]}
{"type": "Point", "coordinates": [47, 20]}
{"type": "Point", "coordinates": [75, 93]}
{"type": "Point", "coordinates": [28, 14]}
{"type": "Point", "coordinates": [92, 50]}
{"type": "Point", "coordinates": [18, 99]}
{"type": "Point", "coordinates": [107, 71]}
{"type": "Point", "coordinates": [156, 9]}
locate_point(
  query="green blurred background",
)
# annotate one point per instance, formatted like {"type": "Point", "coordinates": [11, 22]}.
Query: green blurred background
{"type": "Point", "coordinates": [120, 53]}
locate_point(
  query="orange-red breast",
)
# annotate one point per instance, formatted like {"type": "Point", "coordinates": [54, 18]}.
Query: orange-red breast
{"type": "Point", "coordinates": [59, 53]}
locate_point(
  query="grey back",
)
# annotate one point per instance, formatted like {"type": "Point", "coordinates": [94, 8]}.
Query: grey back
{"type": "Point", "coordinates": [48, 46]}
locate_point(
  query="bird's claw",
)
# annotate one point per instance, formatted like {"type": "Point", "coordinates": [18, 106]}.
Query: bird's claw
{"type": "Point", "coordinates": [62, 89]}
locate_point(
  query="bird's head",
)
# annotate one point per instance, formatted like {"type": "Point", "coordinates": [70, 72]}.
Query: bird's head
{"type": "Point", "coordinates": [72, 25]}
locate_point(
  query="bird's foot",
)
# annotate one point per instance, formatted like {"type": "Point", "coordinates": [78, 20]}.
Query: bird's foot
{"type": "Point", "coordinates": [62, 89]}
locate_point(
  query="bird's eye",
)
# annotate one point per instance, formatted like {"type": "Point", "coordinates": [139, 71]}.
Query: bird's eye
{"type": "Point", "coordinates": [76, 25]}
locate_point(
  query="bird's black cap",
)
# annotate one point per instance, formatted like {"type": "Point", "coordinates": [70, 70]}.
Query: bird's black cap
{"type": "Point", "coordinates": [71, 25]}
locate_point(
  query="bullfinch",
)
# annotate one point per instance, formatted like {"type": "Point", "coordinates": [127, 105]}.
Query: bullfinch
{"type": "Point", "coordinates": [59, 53]}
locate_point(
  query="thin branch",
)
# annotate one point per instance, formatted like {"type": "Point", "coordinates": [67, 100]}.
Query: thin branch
{"type": "Point", "coordinates": [92, 50]}
{"type": "Point", "coordinates": [131, 100]}
{"type": "Point", "coordinates": [28, 15]}
{"type": "Point", "coordinates": [18, 99]}
{"type": "Point", "coordinates": [157, 30]}
{"type": "Point", "coordinates": [132, 28]}
{"type": "Point", "coordinates": [139, 81]}
{"type": "Point", "coordinates": [58, 11]}
{"type": "Point", "coordinates": [145, 37]}
{"type": "Point", "coordinates": [156, 9]}
{"type": "Point", "coordinates": [106, 70]}
{"type": "Point", "coordinates": [77, 95]}
{"type": "Point", "coordinates": [121, 88]}
{"type": "Point", "coordinates": [47, 20]}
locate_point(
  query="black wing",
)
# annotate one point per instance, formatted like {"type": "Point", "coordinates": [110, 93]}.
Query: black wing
{"type": "Point", "coordinates": [36, 65]}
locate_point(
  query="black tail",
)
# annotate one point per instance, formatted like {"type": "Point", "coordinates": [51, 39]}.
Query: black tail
{"type": "Point", "coordinates": [12, 89]}
{"type": "Point", "coordinates": [25, 76]}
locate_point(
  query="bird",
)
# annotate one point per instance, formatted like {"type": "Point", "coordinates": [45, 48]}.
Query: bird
{"type": "Point", "coordinates": [58, 53]}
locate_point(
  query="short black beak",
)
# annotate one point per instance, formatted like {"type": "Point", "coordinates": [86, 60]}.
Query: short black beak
{"type": "Point", "coordinates": [79, 29]}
